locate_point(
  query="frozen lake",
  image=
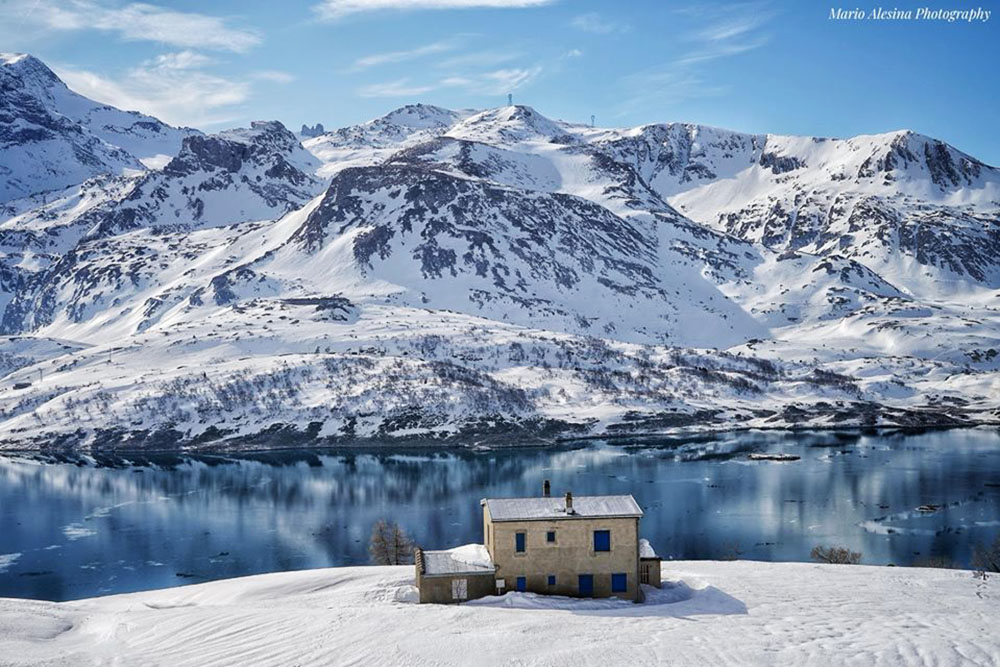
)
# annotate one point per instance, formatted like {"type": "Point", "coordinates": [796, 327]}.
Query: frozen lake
{"type": "Point", "coordinates": [73, 528]}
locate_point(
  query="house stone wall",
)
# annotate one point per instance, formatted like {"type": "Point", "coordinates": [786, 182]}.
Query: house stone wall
{"type": "Point", "coordinates": [570, 555]}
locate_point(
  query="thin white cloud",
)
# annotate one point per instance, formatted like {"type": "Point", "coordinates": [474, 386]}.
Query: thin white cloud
{"type": "Point", "coordinates": [273, 76]}
{"type": "Point", "coordinates": [397, 88]}
{"type": "Point", "coordinates": [331, 10]}
{"type": "Point", "coordinates": [505, 80]}
{"type": "Point", "coordinates": [732, 26]}
{"type": "Point", "coordinates": [572, 53]}
{"type": "Point", "coordinates": [494, 82]}
{"type": "Point", "coordinates": [722, 50]}
{"type": "Point", "coordinates": [132, 22]}
{"type": "Point", "coordinates": [403, 56]}
{"type": "Point", "coordinates": [718, 31]}
{"type": "Point", "coordinates": [595, 23]}
{"type": "Point", "coordinates": [479, 59]}
{"type": "Point", "coordinates": [177, 95]}
{"type": "Point", "coordinates": [181, 60]}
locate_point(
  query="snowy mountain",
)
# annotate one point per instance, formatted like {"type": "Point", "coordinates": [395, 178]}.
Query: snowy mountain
{"type": "Point", "coordinates": [909, 207]}
{"type": "Point", "coordinates": [92, 239]}
{"type": "Point", "coordinates": [51, 137]}
{"type": "Point", "coordinates": [499, 275]}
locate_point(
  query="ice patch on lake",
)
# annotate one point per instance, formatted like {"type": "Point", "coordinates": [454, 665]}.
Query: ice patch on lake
{"type": "Point", "coordinates": [75, 531]}
{"type": "Point", "coordinates": [6, 560]}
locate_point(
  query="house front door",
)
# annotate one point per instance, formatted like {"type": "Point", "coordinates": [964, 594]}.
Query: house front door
{"type": "Point", "coordinates": [585, 584]}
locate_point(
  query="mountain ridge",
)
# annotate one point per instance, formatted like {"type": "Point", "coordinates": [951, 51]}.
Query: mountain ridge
{"type": "Point", "coordinates": [467, 276]}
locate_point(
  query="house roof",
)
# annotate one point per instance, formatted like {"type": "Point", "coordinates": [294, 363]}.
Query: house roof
{"type": "Point", "coordinates": [467, 559]}
{"type": "Point", "coordinates": [584, 507]}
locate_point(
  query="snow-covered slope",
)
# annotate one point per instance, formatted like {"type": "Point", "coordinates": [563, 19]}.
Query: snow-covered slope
{"type": "Point", "coordinates": [707, 613]}
{"type": "Point", "coordinates": [94, 247]}
{"type": "Point", "coordinates": [500, 275]}
{"type": "Point", "coordinates": [51, 137]}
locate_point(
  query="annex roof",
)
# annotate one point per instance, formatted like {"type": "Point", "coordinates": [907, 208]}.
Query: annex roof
{"type": "Point", "coordinates": [584, 507]}
{"type": "Point", "coordinates": [467, 559]}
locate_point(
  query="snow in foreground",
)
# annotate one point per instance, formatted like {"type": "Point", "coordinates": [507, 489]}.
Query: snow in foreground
{"type": "Point", "coordinates": [707, 613]}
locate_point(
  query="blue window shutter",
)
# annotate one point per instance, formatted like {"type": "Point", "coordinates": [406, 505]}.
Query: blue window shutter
{"type": "Point", "coordinates": [602, 540]}
{"type": "Point", "coordinates": [619, 582]}
{"type": "Point", "coordinates": [522, 583]}
{"type": "Point", "coordinates": [585, 584]}
{"type": "Point", "coordinates": [552, 580]}
{"type": "Point", "coordinates": [519, 542]}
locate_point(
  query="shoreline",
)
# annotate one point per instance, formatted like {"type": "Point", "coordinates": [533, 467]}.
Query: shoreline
{"type": "Point", "coordinates": [526, 442]}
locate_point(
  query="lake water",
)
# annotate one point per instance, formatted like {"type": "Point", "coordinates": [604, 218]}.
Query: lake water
{"type": "Point", "coordinates": [77, 528]}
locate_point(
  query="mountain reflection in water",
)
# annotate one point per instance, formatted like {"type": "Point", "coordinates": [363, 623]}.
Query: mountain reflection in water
{"type": "Point", "coordinates": [76, 527]}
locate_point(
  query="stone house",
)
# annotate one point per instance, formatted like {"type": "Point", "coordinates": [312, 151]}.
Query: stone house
{"type": "Point", "coordinates": [586, 546]}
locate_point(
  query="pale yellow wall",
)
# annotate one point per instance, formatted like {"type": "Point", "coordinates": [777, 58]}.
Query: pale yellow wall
{"type": "Point", "coordinates": [571, 554]}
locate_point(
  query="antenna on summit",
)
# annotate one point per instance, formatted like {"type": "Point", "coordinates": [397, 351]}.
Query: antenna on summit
{"type": "Point", "coordinates": [592, 119]}
{"type": "Point", "coordinates": [510, 99]}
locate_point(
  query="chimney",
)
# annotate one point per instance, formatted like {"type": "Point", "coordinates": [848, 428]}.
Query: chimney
{"type": "Point", "coordinates": [569, 502]}
{"type": "Point", "coordinates": [546, 489]}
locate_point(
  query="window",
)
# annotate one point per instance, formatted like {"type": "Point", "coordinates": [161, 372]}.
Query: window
{"type": "Point", "coordinates": [585, 584]}
{"type": "Point", "coordinates": [522, 583]}
{"type": "Point", "coordinates": [550, 536]}
{"type": "Point", "coordinates": [459, 589]}
{"type": "Point", "coordinates": [602, 540]}
{"type": "Point", "coordinates": [519, 542]}
{"type": "Point", "coordinates": [619, 582]}
{"type": "Point", "coordinates": [552, 580]}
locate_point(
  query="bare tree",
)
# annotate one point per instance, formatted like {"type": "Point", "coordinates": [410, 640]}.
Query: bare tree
{"type": "Point", "coordinates": [402, 546]}
{"type": "Point", "coordinates": [389, 544]}
{"type": "Point", "coordinates": [378, 546]}
{"type": "Point", "coordinates": [835, 555]}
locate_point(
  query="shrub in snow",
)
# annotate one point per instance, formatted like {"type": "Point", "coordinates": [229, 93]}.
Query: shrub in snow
{"type": "Point", "coordinates": [835, 555]}
{"type": "Point", "coordinates": [987, 558]}
{"type": "Point", "coordinates": [940, 562]}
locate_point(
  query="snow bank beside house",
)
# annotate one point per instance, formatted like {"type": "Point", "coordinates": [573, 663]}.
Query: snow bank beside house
{"type": "Point", "coordinates": [711, 613]}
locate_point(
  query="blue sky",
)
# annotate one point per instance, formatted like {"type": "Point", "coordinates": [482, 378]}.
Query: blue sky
{"type": "Point", "coordinates": [781, 67]}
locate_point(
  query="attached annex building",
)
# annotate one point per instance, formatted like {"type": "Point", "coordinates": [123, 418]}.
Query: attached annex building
{"type": "Point", "coordinates": [586, 546]}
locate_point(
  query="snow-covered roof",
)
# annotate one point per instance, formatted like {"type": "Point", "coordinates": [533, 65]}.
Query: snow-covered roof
{"type": "Point", "coordinates": [646, 549]}
{"type": "Point", "coordinates": [466, 559]}
{"type": "Point", "coordinates": [584, 507]}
